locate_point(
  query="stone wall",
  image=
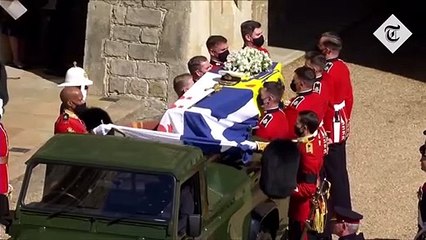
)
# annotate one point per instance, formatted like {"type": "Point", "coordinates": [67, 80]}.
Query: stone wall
{"type": "Point", "coordinates": [134, 48]}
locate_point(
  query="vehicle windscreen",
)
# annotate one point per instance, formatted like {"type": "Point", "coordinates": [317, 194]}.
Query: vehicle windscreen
{"type": "Point", "coordinates": [99, 192]}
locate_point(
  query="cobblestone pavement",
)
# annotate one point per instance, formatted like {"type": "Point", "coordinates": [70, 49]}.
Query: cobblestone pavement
{"type": "Point", "coordinates": [383, 156]}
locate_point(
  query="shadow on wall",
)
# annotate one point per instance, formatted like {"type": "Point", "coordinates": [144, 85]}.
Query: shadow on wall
{"type": "Point", "coordinates": [356, 22]}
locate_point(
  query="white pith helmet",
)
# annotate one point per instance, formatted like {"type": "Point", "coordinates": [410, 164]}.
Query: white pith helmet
{"type": "Point", "coordinates": [76, 76]}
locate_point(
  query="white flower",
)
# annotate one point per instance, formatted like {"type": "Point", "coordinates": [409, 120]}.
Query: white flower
{"type": "Point", "coordinates": [248, 60]}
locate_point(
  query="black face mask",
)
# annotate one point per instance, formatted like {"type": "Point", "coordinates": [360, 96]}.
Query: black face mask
{"type": "Point", "coordinates": [258, 42]}
{"type": "Point", "coordinates": [298, 131]}
{"type": "Point", "coordinates": [79, 109]}
{"type": "Point", "coordinates": [222, 56]}
{"type": "Point", "coordinates": [293, 86]}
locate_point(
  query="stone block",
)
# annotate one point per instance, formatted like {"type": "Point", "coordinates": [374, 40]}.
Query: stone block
{"type": "Point", "coordinates": [144, 17]}
{"type": "Point", "coordinates": [150, 35]}
{"type": "Point", "coordinates": [174, 5]}
{"type": "Point", "coordinates": [150, 3]}
{"type": "Point", "coordinates": [131, 3]}
{"type": "Point", "coordinates": [174, 70]}
{"type": "Point", "coordinates": [152, 70]}
{"type": "Point", "coordinates": [142, 51]}
{"type": "Point", "coordinates": [156, 104]}
{"type": "Point", "coordinates": [123, 67]}
{"type": "Point", "coordinates": [99, 13]}
{"type": "Point", "coordinates": [157, 88]}
{"type": "Point", "coordinates": [173, 44]}
{"type": "Point", "coordinates": [119, 14]}
{"type": "Point", "coordinates": [116, 49]}
{"type": "Point", "coordinates": [126, 33]}
{"type": "Point", "coordinates": [117, 85]}
{"type": "Point", "coordinates": [138, 87]}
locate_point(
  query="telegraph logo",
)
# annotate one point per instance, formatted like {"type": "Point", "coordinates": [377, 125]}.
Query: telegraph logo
{"type": "Point", "coordinates": [392, 33]}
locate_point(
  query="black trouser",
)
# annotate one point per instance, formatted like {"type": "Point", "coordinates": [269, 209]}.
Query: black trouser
{"type": "Point", "coordinates": [295, 231]}
{"type": "Point", "coordinates": [4, 210]}
{"type": "Point", "coordinates": [337, 174]}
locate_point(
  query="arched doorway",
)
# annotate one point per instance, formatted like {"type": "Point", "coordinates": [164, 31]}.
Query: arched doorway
{"type": "Point", "coordinates": [53, 37]}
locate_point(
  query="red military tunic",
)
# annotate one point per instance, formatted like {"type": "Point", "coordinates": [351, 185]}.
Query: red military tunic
{"type": "Point", "coordinates": [311, 160]}
{"type": "Point", "coordinates": [308, 100]}
{"type": "Point", "coordinates": [337, 123]}
{"type": "Point", "coordinates": [324, 87]}
{"type": "Point", "coordinates": [68, 122]}
{"type": "Point", "coordinates": [273, 125]}
{"type": "Point", "coordinates": [262, 49]}
{"type": "Point", "coordinates": [4, 155]}
{"type": "Point", "coordinates": [216, 66]}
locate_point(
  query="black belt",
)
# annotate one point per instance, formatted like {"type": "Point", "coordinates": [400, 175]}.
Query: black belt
{"type": "Point", "coordinates": [307, 178]}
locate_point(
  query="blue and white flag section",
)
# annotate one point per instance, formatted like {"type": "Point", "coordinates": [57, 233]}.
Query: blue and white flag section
{"type": "Point", "coordinates": [225, 116]}
{"type": "Point", "coordinates": [174, 138]}
{"type": "Point", "coordinates": [213, 120]}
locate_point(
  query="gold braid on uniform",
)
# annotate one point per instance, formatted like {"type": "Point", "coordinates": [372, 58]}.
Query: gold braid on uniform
{"type": "Point", "coordinates": [261, 145]}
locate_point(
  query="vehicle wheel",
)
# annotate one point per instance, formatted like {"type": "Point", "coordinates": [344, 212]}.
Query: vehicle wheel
{"type": "Point", "coordinates": [264, 235]}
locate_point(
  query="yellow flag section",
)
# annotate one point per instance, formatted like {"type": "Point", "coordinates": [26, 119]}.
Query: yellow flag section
{"type": "Point", "coordinates": [273, 74]}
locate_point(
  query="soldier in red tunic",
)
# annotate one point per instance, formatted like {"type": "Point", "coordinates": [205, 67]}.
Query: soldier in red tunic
{"type": "Point", "coordinates": [4, 171]}
{"type": "Point", "coordinates": [273, 123]}
{"type": "Point", "coordinates": [252, 34]}
{"type": "Point", "coordinates": [68, 121]}
{"type": "Point", "coordinates": [218, 49]}
{"type": "Point", "coordinates": [337, 123]}
{"type": "Point", "coordinates": [311, 147]}
{"type": "Point", "coordinates": [338, 120]}
{"type": "Point", "coordinates": [324, 87]}
{"type": "Point", "coordinates": [306, 98]}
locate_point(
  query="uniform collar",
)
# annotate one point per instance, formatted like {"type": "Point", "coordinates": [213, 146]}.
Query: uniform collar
{"type": "Point", "coordinates": [272, 110]}
{"type": "Point", "coordinates": [71, 114]}
{"type": "Point", "coordinates": [333, 59]}
{"type": "Point", "coordinates": [306, 139]}
{"type": "Point", "coordinates": [319, 78]}
{"type": "Point", "coordinates": [304, 93]}
{"type": "Point", "coordinates": [215, 63]}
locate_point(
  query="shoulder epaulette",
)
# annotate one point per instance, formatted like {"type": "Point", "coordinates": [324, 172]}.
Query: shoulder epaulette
{"type": "Point", "coordinates": [296, 102]}
{"type": "Point", "coordinates": [328, 66]}
{"type": "Point", "coordinates": [317, 87]}
{"type": "Point", "coordinates": [266, 120]}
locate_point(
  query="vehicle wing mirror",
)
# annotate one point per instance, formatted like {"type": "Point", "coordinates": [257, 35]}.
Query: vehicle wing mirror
{"type": "Point", "coordinates": [194, 225]}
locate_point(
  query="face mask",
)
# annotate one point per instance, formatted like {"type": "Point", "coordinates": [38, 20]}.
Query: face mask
{"type": "Point", "coordinates": [258, 42]}
{"type": "Point", "coordinates": [293, 86]}
{"type": "Point", "coordinates": [298, 131]}
{"type": "Point", "coordinates": [79, 109]}
{"type": "Point", "coordinates": [222, 56]}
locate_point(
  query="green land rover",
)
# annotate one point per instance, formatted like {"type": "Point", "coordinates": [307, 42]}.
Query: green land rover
{"type": "Point", "coordinates": [111, 187]}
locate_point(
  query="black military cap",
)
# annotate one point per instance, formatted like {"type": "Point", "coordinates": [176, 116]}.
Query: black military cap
{"type": "Point", "coordinates": [346, 215]}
